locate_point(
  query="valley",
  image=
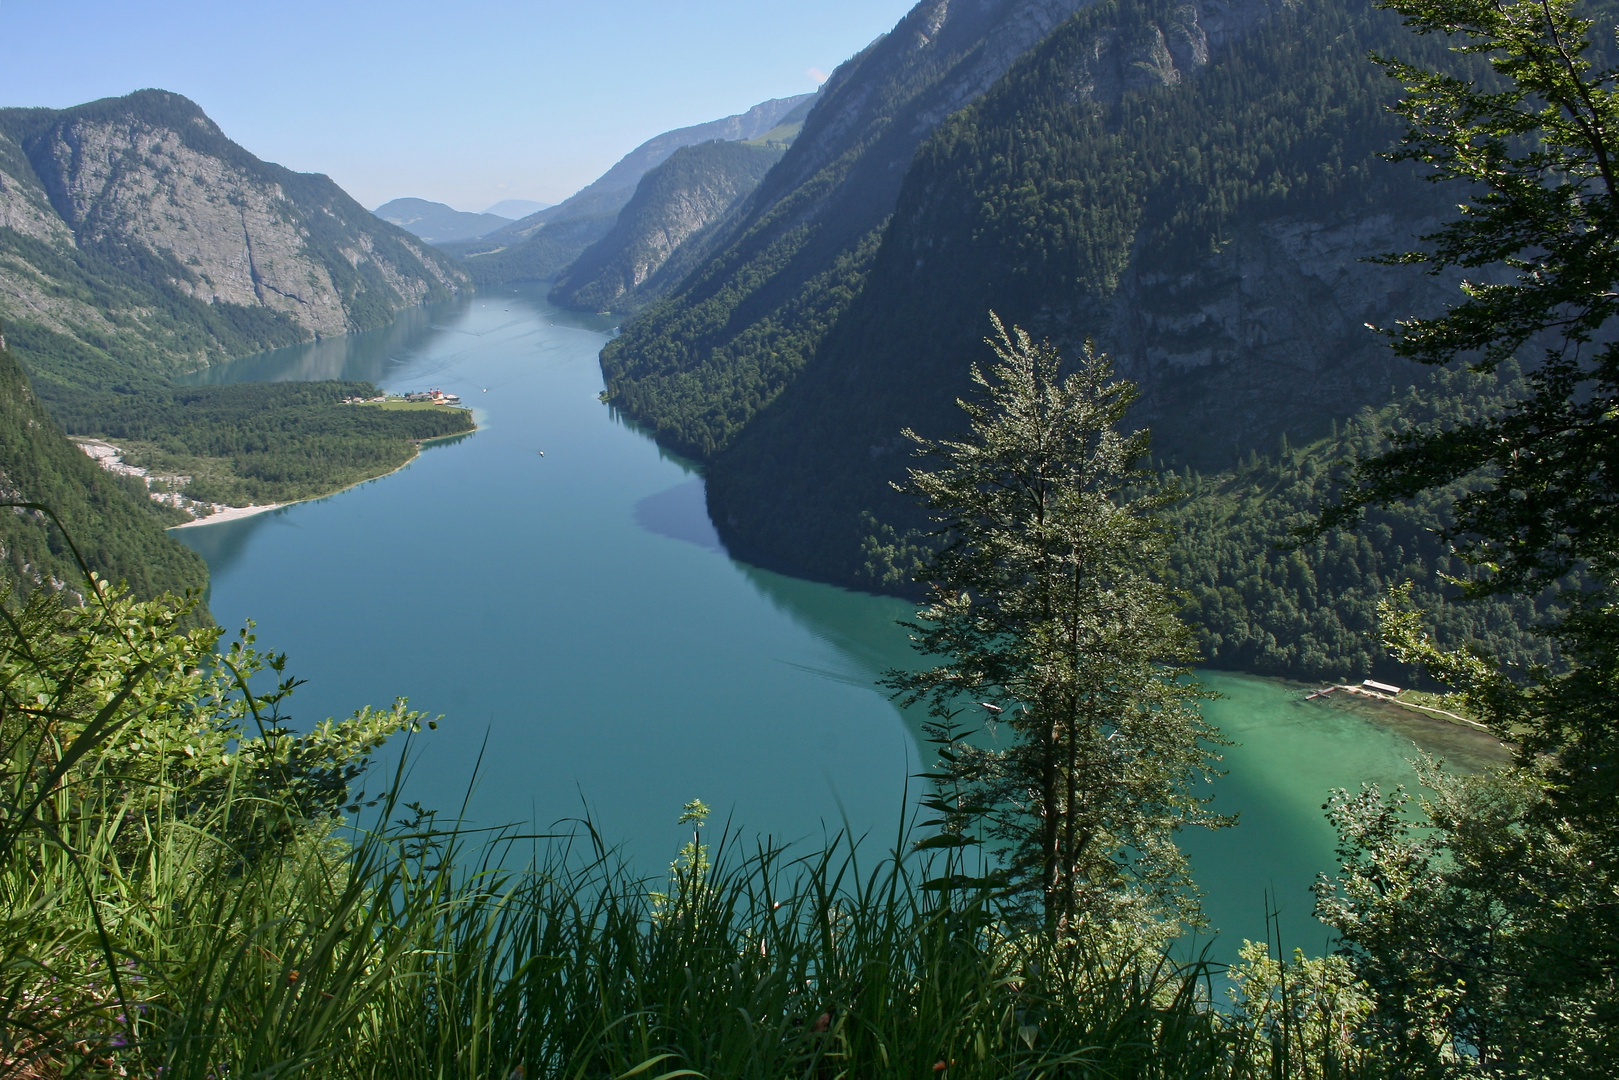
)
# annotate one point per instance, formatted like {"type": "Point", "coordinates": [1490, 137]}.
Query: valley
{"type": "Point", "coordinates": [1088, 537]}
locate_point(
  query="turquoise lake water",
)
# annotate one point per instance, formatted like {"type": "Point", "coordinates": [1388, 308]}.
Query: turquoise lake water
{"type": "Point", "coordinates": [592, 649]}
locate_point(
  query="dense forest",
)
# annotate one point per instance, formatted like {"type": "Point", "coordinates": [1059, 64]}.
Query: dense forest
{"type": "Point", "coordinates": [257, 443]}
{"type": "Point", "coordinates": [697, 366]}
{"type": "Point", "coordinates": [115, 526]}
{"type": "Point", "coordinates": [1263, 602]}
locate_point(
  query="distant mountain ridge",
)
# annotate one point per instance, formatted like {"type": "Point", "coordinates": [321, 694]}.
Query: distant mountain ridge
{"type": "Point", "coordinates": [673, 203]}
{"type": "Point", "coordinates": [541, 246]}
{"type": "Point", "coordinates": [516, 209]}
{"type": "Point", "coordinates": [137, 240]}
{"type": "Point", "coordinates": [749, 317]}
{"type": "Point", "coordinates": [437, 223]}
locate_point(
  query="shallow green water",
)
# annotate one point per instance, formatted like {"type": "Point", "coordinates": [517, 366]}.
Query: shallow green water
{"type": "Point", "coordinates": [589, 644]}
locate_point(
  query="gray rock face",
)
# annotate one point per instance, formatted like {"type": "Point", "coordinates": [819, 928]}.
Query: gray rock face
{"type": "Point", "coordinates": [150, 182]}
{"type": "Point", "coordinates": [1270, 335]}
{"type": "Point", "coordinates": [674, 202]}
{"type": "Point", "coordinates": [24, 209]}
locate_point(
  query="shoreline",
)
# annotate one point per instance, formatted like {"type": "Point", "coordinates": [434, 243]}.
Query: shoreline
{"type": "Point", "coordinates": [223, 513]}
{"type": "Point", "coordinates": [1446, 736]}
{"type": "Point", "coordinates": [237, 513]}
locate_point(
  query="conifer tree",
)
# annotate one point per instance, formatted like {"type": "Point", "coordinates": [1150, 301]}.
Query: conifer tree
{"type": "Point", "coordinates": [1045, 611]}
{"type": "Point", "coordinates": [1491, 933]}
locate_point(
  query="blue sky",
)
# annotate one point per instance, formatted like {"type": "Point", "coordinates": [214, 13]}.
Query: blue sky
{"type": "Point", "coordinates": [467, 102]}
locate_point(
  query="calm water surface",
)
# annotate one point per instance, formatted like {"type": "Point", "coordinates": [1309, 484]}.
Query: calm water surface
{"type": "Point", "coordinates": [590, 645]}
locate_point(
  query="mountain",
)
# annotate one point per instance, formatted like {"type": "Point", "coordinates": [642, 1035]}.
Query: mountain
{"type": "Point", "coordinates": [542, 245]}
{"type": "Point", "coordinates": [695, 187]}
{"type": "Point", "coordinates": [749, 317]}
{"type": "Point", "coordinates": [112, 522]}
{"type": "Point", "coordinates": [435, 222]}
{"type": "Point", "coordinates": [137, 241]}
{"type": "Point", "coordinates": [512, 209]}
{"type": "Point", "coordinates": [1194, 185]}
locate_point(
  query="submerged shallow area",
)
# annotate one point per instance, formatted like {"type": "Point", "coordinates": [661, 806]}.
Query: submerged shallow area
{"type": "Point", "coordinates": [551, 585]}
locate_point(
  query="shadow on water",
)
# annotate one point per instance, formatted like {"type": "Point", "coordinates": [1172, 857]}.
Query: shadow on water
{"type": "Point", "coordinates": [681, 513]}
{"type": "Point", "coordinates": [1288, 755]}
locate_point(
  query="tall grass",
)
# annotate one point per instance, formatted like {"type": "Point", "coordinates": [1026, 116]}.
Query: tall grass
{"type": "Point", "coordinates": [161, 917]}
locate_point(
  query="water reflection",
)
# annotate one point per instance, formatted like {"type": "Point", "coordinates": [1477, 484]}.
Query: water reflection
{"type": "Point", "coordinates": [356, 357]}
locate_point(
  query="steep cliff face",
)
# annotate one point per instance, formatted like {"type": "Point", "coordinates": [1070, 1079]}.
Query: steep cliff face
{"type": "Point", "coordinates": [544, 244]}
{"type": "Point", "coordinates": [172, 226]}
{"type": "Point", "coordinates": [748, 318]}
{"type": "Point", "coordinates": [696, 187]}
{"type": "Point", "coordinates": [1194, 185]}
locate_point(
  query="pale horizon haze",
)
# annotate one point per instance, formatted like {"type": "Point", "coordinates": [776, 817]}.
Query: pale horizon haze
{"type": "Point", "coordinates": [466, 104]}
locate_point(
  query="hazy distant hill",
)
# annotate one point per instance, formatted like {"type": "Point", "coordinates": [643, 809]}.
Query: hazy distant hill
{"type": "Point", "coordinates": [513, 209]}
{"type": "Point", "coordinates": [543, 245]}
{"type": "Point", "coordinates": [436, 223]}
{"type": "Point", "coordinates": [136, 240]}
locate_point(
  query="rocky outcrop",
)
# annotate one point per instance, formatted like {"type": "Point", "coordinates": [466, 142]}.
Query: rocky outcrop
{"type": "Point", "coordinates": [148, 187]}
{"type": "Point", "coordinates": [1269, 336]}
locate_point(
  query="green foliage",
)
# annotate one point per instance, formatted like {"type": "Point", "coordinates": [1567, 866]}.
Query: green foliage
{"type": "Point", "coordinates": [117, 528]}
{"type": "Point", "coordinates": [1477, 928]}
{"type": "Point", "coordinates": [161, 833]}
{"type": "Point", "coordinates": [178, 898]}
{"type": "Point", "coordinates": [243, 443]}
{"type": "Point", "coordinates": [1261, 602]}
{"type": "Point", "coordinates": [1488, 931]}
{"type": "Point", "coordinates": [1046, 612]}
{"type": "Point", "coordinates": [1545, 207]}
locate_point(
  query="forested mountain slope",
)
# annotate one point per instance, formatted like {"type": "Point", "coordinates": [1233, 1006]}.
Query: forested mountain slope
{"type": "Point", "coordinates": [698, 366]}
{"type": "Point", "coordinates": [137, 240]}
{"type": "Point", "coordinates": [544, 244]}
{"type": "Point", "coordinates": [1204, 215]}
{"type": "Point", "coordinates": [696, 187]}
{"type": "Point", "coordinates": [116, 527]}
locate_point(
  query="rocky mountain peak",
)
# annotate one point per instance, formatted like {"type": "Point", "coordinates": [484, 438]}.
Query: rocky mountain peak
{"type": "Point", "coordinates": [150, 179]}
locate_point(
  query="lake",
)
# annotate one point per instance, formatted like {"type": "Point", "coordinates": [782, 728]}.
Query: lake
{"type": "Point", "coordinates": [552, 587]}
